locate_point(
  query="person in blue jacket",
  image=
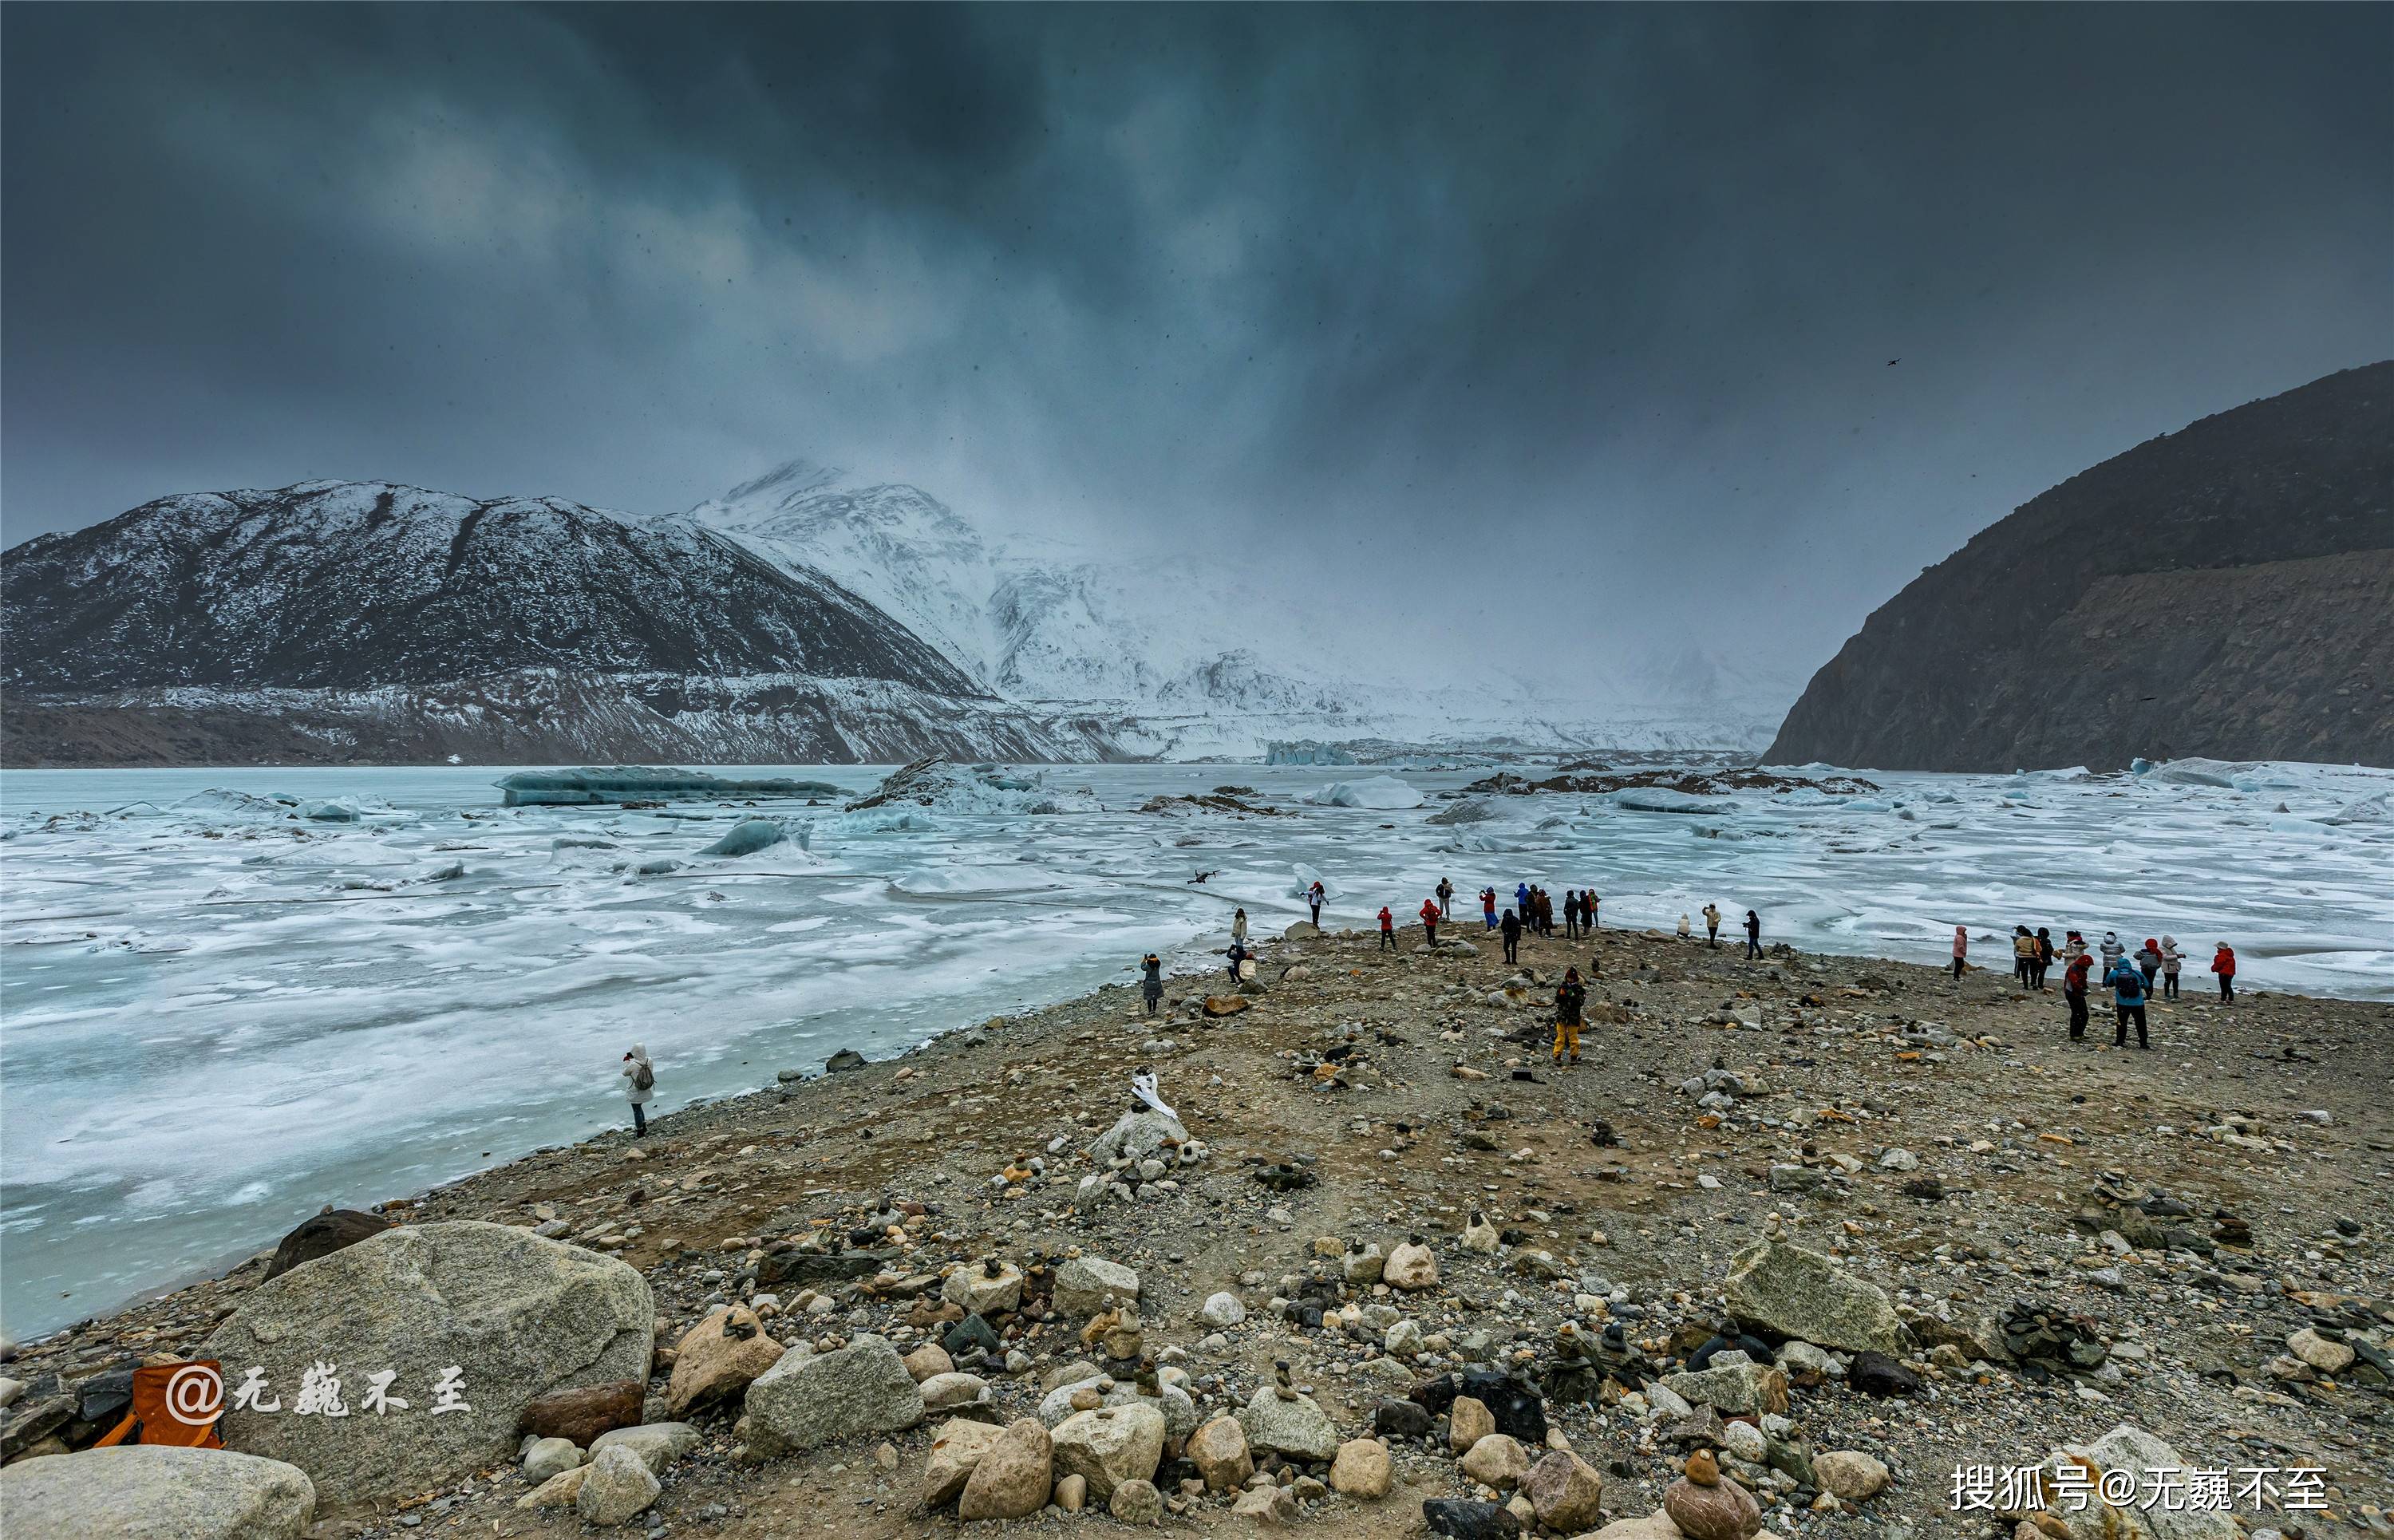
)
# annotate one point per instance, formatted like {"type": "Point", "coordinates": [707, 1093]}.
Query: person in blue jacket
{"type": "Point", "coordinates": [2128, 996]}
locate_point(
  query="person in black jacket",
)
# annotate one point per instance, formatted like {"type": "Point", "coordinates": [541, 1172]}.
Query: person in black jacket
{"type": "Point", "coordinates": [1511, 927]}
{"type": "Point", "coordinates": [1571, 1000]}
{"type": "Point", "coordinates": [1753, 934]}
{"type": "Point", "coordinates": [1151, 969]}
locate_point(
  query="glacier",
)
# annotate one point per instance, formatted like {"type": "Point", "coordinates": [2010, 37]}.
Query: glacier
{"type": "Point", "coordinates": [210, 1032]}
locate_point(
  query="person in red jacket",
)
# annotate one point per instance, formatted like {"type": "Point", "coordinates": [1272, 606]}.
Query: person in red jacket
{"type": "Point", "coordinates": [1387, 928]}
{"type": "Point", "coordinates": [1488, 906]}
{"type": "Point", "coordinates": [2073, 990]}
{"type": "Point", "coordinates": [1429, 920]}
{"type": "Point", "coordinates": [2223, 962]}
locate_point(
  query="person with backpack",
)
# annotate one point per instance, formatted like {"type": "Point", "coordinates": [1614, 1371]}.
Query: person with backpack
{"type": "Point", "coordinates": [1488, 906]}
{"type": "Point", "coordinates": [1571, 999]}
{"type": "Point", "coordinates": [1712, 923]}
{"type": "Point", "coordinates": [643, 1078]}
{"type": "Point", "coordinates": [1429, 922]}
{"type": "Point", "coordinates": [2128, 997]}
{"type": "Point", "coordinates": [2171, 960]}
{"type": "Point", "coordinates": [1388, 930]}
{"type": "Point", "coordinates": [2149, 961]}
{"type": "Point", "coordinates": [1511, 927]}
{"type": "Point", "coordinates": [1313, 897]}
{"type": "Point", "coordinates": [1961, 949]}
{"type": "Point", "coordinates": [1594, 915]}
{"type": "Point", "coordinates": [1445, 897]}
{"type": "Point", "coordinates": [1237, 954]}
{"type": "Point", "coordinates": [1150, 980]}
{"type": "Point", "coordinates": [2074, 990]}
{"type": "Point", "coordinates": [2223, 962]}
{"type": "Point", "coordinates": [2044, 958]}
{"type": "Point", "coordinates": [2023, 954]}
{"type": "Point", "coordinates": [1753, 935]}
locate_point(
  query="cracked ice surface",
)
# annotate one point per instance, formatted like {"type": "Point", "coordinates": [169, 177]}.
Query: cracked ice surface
{"type": "Point", "coordinates": [215, 1016]}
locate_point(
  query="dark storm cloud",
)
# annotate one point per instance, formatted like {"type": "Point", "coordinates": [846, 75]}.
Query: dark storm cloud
{"type": "Point", "coordinates": [1591, 303]}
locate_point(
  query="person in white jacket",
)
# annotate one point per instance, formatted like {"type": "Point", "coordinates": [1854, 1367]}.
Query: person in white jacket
{"type": "Point", "coordinates": [1239, 926]}
{"type": "Point", "coordinates": [641, 1083]}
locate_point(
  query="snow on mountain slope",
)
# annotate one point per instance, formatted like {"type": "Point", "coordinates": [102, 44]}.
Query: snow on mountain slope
{"type": "Point", "coordinates": [1194, 656]}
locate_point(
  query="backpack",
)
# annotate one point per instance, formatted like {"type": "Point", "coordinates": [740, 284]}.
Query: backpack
{"type": "Point", "coordinates": [643, 1078]}
{"type": "Point", "coordinates": [173, 1403]}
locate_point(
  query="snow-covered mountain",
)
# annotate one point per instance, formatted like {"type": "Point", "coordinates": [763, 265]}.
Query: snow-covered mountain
{"type": "Point", "coordinates": [1202, 657]}
{"type": "Point", "coordinates": [803, 616]}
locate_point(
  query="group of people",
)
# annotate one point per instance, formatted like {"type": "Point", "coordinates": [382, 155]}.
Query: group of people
{"type": "Point", "coordinates": [2129, 975]}
{"type": "Point", "coordinates": [1711, 929]}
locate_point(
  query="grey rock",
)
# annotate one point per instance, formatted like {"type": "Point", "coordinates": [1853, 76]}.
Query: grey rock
{"type": "Point", "coordinates": [617, 1490]}
{"type": "Point", "coordinates": [658, 1444]}
{"type": "Point", "coordinates": [519, 1316]}
{"type": "Point", "coordinates": [1179, 1409]}
{"type": "Point", "coordinates": [1791, 1291]}
{"type": "Point", "coordinates": [1083, 1283]}
{"type": "Point", "coordinates": [1299, 1428]}
{"type": "Point", "coordinates": [802, 1402]}
{"type": "Point", "coordinates": [156, 1492]}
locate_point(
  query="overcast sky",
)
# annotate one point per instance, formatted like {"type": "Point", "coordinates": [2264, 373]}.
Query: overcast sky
{"type": "Point", "coordinates": [1577, 317]}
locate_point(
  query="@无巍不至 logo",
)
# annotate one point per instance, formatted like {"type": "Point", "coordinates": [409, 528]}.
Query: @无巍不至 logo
{"type": "Point", "coordinates": [195, 1394]}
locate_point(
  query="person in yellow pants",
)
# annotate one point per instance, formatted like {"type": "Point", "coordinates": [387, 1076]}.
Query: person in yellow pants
{"type": "Point", "coordinates": [1571, 1002]}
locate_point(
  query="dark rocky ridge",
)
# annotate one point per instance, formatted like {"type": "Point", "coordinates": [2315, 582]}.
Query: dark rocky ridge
{"type": "Point", "coordinates": [2222, 591]}
{"type": "Point", "coordinates": [343, 584]}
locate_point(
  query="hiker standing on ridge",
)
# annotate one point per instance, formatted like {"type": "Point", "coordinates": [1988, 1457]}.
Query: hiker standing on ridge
{"type": "Point", "coordinates": [1512, 929]}
{"type": "Point", "coordinates": [642, 1076]}
{"type": "Point", "coordinates": [1488, 906]}
{"type": "Point", "coordinates": [1429, 922]}
{"type": "Point", "coordinates": [1388, 930]}
{"type": "Point", "coordinates": [1150, 980]}
{"type": "Point", "coordinates": [1571, 996]}
{"type": "Point", "coordinates": [1445, 897]}
{"type": "Point", "coordinates": [1753, 935]}
{"type": "Point", "coordinates": [1712, 923]}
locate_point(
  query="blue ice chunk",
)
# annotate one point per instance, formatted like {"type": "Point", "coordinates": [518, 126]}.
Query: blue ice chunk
{"type": "Point", "coordinates": [593, 784]}
{"type": "Point", "coordinates": [748, 837]}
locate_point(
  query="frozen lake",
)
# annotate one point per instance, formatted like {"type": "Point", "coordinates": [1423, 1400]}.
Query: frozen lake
{"type": "Point", "coordinates": [216, 1017]}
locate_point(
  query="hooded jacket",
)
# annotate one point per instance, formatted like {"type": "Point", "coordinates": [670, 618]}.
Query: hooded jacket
{"type": "Point", "coordinates": [2223, 962]}
{"type": "Point", "coordinates": [632, 1088]}
{"type": "Point", "coordinates": [2112, 950]}
{"type": "Point", "coordinates": [2171, 956]}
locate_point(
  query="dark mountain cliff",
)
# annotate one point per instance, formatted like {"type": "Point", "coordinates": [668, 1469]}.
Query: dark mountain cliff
{"type": "Point", "coordinates": [2226, 591]}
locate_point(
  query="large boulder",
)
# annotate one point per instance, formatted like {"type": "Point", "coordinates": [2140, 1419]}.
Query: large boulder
{"type": "Point", "coordinates": [156, 1492]}
{"type": "Point", "coordinates": [1739, 1390]}
{"type": "Point", "coordinates": [1790, 1291]}
{"type": "Point", "coordinates": [1083, 1283]}
{"type": "Point", "coordinates": [322, 1235]}
{"type": "Point", "coordinates": [809, 1400]}
{"type": "Point", "coordinates": [1219, 1450]}
{"type": "Point", "coordinates": [1108, 1446]}
{"type": "Point", "coordinates": [2131, 1449]}
{"type": "Point", "coordinates": [1566, 1491]}
{"type": "Point", "coordinates": [1297, 1429]}
{"type": "Point", "coordinates": [1012, 1477]}
{"type": "Point", "coordinates": [716, 1359]}
{"type": "Point", "coordinates": [655, 1445]}
{"type": "Point", "coordinates": [585, 1411]}
{"type": "Point", "coordinates": [618, 1488]}
{"type": "Point", "coordinates": [1497, 1460]}
{"type": "Point", "coordinates": [1362, 1469]}
{"type": "Point", "coordinates": [498, 1315]}
{"type": "Point", "coordinates": [956, 1447]}
{"type": "Point", "coordinates": [1178, 1407]}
